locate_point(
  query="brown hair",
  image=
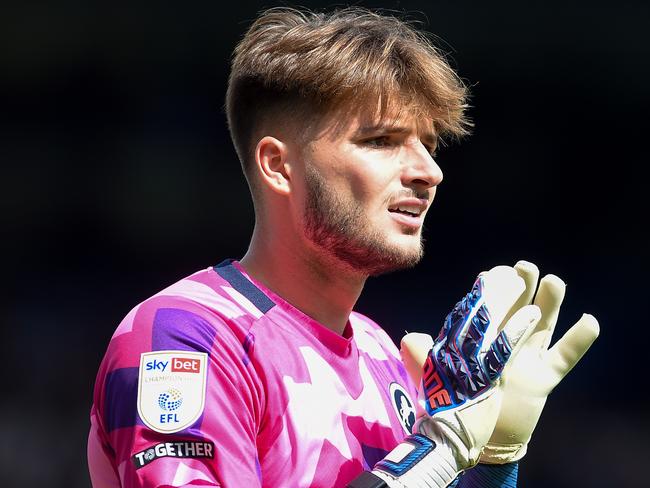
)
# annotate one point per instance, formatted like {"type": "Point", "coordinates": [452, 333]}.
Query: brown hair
{"type": "Point", "coordinates": [298, 64]}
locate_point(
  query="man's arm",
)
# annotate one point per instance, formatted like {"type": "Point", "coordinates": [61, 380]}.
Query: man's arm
{"type": "Point", "coordinates": [175, 404]}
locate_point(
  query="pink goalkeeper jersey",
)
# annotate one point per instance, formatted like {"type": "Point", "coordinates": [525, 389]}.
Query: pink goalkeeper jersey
{"type": "Point", "coordinates": [217, 381]}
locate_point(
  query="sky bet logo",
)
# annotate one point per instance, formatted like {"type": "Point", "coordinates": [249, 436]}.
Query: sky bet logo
{"type": "Point", "coordinates": [179, 365]}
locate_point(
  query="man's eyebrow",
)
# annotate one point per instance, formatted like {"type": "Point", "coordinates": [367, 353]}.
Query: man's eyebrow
{"type": "Point", "coordinates": [429, 137]}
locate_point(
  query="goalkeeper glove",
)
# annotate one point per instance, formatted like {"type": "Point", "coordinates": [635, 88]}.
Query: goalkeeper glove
{"type": "Point", "coordinates": [460, 394]}
{"type": "Point", "coordinates": [536, 370]}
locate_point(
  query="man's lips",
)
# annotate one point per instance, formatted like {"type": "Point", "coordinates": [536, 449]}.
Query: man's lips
{"type": "Point", "coordinates": [412, 221]}
{"type": "Point", "coordinates": [412, 206]}
{"type": "Point", "coordinates": [409, 211]}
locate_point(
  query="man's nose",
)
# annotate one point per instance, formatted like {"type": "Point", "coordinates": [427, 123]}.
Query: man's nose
{"type": "Point", "coordinates": [420, 169]}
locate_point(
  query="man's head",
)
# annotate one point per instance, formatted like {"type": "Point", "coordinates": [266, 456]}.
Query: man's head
{"type": "Point", "coordinates": [339, 114]}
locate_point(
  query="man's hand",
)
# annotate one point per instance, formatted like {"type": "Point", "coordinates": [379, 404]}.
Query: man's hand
{"type": "Point", "coordinates": [460, 393]}
{"type": "Point", "coordinates": [530, 377]}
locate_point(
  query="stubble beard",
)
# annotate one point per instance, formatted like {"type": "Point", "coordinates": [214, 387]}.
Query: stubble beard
{"type": "Point", "coordinates": [342, 232]}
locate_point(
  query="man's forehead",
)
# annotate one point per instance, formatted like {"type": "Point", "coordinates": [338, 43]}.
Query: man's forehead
{"type": "Point", "coordinates": [392, 121]}
{"type": "Point", "coordinates": [358, 120]}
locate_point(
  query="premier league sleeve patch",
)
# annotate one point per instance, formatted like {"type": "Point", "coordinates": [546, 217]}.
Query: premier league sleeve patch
{"type": "Point", "coordinates": [171, 389]}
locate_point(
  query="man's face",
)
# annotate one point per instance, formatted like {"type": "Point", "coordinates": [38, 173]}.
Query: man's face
{"type": "Point", "coordinates": [368, 186]}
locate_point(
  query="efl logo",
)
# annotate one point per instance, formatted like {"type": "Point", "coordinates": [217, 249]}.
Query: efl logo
{"type": "Point", "coordinates": [185, 365]}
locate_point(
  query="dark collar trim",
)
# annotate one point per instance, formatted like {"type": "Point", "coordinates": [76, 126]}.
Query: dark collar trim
{"type": "Point", "coordinates": [244, 286]}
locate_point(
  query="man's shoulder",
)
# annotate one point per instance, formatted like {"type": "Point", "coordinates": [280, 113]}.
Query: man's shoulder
{"type": "Point", "coordinates": [197, 314]}
{"type": "Point", "coordinates": [197, 321]}
{"type": "Point", "coordinates": [206, 291]}
{"type": "Point", "coordinates": [197, 309]}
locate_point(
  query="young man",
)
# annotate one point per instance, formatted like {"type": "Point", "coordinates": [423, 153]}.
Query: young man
{"type": "Point", "coordinates": [257, 372]}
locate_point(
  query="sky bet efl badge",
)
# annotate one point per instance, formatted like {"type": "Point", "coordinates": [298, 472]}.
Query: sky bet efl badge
{"type": "Point", "coordinates": [171, 389]}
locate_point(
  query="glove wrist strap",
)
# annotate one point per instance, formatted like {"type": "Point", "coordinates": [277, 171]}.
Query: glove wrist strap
{"type": "Point", "coordinates": [418, 461]}
{"type": "Point", "coordinates": [494, 453]}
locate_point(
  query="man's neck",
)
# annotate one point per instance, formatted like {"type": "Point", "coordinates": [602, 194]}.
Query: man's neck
{"type": "Point", "coordinates": [320, 288]}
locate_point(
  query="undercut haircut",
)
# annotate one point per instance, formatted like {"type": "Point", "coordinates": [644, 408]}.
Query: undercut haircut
{"type": "Point", "coordinates": [295, 67]}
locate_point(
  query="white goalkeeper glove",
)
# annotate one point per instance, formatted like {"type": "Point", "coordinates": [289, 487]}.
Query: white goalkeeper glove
{"type": "Point", "coordinates": [531, 376]}
{"type": "Point", "coordinates": [460, 392]}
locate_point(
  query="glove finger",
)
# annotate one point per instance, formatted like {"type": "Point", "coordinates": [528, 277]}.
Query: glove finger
{"type": "Point", "coordinates": [511, 339]}
{"type": "Point", "coordinates": [549, 299]}
{"type": "Point", "coordinates": [414, 348]}
{"type": "Point", "coordinates": [530, 274]}
{"type": "Point", "coordinates": [564, 355]}
{"type": "Point", "coordinates": [502, 287]}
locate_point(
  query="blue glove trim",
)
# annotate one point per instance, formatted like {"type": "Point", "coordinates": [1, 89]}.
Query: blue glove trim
{"type": "Point", "coordinates": [423, 446]}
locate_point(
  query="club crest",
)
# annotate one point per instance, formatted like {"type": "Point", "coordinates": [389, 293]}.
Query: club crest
{"type": "Point", "coordinates": [403, 406]}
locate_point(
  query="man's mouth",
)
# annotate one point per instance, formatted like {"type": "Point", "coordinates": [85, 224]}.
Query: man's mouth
{"type": "Point", "coordinates": [412, 211]}
{"type": "Point", "coordinates": [413, 207]}
{"type": "Point", "coordinates": [409, 212]}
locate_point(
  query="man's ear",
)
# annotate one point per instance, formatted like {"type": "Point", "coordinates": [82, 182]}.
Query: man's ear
{"type": "Point", "coordinates": [271, 158]}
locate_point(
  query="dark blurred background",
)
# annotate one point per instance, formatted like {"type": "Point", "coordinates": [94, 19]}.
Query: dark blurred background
{"type": "Point", "coordinates": [118, 178]}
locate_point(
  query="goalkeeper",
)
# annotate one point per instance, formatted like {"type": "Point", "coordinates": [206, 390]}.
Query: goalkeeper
{"type": "Point", "coordinates": [257, 372]}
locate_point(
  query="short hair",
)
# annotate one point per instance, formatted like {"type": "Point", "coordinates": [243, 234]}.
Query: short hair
{"type": "Point", "coordinates": [292, 65]}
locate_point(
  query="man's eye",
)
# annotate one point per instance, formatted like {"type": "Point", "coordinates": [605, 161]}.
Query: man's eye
{"type": "Point", "coordinates": [378, 142]}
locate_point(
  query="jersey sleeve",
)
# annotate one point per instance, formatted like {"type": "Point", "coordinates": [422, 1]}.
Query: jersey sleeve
{"type": "Point", "coordinates": [176, 403]}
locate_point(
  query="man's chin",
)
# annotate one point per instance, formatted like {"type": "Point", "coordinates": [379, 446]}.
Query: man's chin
{"type": "Point", "coordinates": [386, 260]}
{"type": "Point", "coordinates": [396, 264]}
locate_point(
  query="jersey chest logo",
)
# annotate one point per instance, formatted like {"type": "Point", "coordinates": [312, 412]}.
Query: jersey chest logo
{"type": "Point", "coordinates": [403, 406]}
{"type": "Point", "coordinates": [171, 389]}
